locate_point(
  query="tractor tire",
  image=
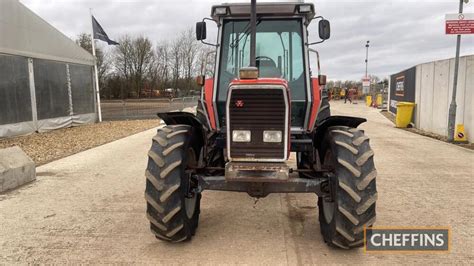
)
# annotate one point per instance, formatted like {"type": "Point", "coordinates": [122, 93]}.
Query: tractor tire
{"type": "Point", "coordinates": [353, 194]}
{"type": "Point", "coordinates": [324, 110]}
{"type": "Point", "coordinates": [172, 209]}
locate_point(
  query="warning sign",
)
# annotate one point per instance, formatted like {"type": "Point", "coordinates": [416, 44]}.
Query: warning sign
{"type": "Point", "coordinates": [365, 85]}
{"type": "Point", "coordinates": [460, 134]}
{"type": "Point", "coordinates": [460, 24]}
{"type": "Point", "coordinates": [400, 86]}
{"type": "Point", "coordinates": [366, 81]}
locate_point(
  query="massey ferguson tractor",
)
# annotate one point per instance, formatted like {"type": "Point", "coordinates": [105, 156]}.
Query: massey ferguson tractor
{"type": "Point", "coordinates": [261, 105]}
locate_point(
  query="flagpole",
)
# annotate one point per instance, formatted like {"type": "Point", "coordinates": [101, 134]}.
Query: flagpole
{"type": "Point", "coordinates": [99, 110]}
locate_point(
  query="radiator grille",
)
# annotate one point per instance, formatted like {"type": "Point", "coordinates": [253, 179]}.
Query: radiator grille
{"type": "Point", "coordinates": [257, 110]}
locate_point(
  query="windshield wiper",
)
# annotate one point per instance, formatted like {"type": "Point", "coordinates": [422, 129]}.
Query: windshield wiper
{"type": "Point", "coordinates": [244, 33]}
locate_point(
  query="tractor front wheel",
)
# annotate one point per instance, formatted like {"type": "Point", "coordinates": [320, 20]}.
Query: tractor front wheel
{"type": "Point", "coordinates": [173, 204]}
{"type": "Point", "coordinates": [351, 204]}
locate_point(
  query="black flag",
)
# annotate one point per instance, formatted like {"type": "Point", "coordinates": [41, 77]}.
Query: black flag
{"type": "Point", "coordinates": [100, 34]}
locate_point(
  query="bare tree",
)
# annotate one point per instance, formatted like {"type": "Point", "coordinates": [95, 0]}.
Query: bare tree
{"type": "Point", "coordinates": [190, 52]}
{"type": "Point", "coordinates": [142, 60]}
{"type": "Point", "coordinates": [123, 62]}
{"type": "Point", "coordinates": [134, 59]}
{"type": "Point", "coordinates": [175, 60]}
{"type": "Point", "coordinates": [162, 63]}
{"type": "Point", "coordinates": [206, 61]}
{"type": "Point", "coordinates": [103, 60]}
{"type": "Point", "coordinates": [171, 63]}
{"type": "Point", "coordinates": [153, 75]}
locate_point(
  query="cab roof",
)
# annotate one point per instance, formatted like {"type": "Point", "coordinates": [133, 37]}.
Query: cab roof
{"type": "Point", "coordinates": [264, 9]}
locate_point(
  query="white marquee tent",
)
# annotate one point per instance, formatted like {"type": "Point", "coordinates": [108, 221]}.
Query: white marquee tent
{"type": "Point", "coordinates": [46, 79]}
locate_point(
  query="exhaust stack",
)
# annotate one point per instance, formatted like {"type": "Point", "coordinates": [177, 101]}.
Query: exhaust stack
{"type": "Point", "coordinates": [253, 30]}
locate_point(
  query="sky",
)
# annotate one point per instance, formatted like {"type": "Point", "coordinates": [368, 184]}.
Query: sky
{"type": "Point", "coordinates": [402, 33]}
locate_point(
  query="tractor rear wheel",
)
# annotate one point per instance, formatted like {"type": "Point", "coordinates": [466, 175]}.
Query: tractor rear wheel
{"type": "Point", "coordinates": [353, 194]}
{"type": "Point", "coordinates": [172, 205]}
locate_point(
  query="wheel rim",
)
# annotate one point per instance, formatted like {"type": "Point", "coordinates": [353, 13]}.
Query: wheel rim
{"type": "Point", "coordinates": [190, 203]}
{"type": "Point", "coordinates": [328, 206]}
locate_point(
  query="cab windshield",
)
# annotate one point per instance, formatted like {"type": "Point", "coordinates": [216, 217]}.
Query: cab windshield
{"type": "Point", "coordinates": [279, 52]}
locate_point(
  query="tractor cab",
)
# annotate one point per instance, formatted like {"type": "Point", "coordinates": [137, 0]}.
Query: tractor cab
{"type": "Point", "coordinates": [281, 52]}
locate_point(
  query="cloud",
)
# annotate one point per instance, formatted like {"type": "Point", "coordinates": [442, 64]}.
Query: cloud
{"type": "Point", "coordinates": [402, 33]}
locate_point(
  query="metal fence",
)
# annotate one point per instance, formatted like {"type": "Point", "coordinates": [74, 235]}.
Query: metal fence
{"type": "Point", "coordinates": [143, 108]}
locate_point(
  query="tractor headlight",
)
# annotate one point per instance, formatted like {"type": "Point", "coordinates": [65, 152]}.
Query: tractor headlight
{"type": "Point", "coordinates": [272, 136]}
{"type": "Point", "coordinates": [241, 135]}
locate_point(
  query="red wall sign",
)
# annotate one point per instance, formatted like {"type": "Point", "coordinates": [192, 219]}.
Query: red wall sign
{"type": "Point", "coordinates": [460, 24]}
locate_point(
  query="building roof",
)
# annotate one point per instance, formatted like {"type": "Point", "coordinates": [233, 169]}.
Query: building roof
{"type": "Point", "coordinates": [25, 33]}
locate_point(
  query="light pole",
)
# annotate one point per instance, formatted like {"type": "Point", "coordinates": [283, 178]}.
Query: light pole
{"type": "Point", "coordinates": [453, 106]}
{"type": "Point", "coordinates": [367, 58]}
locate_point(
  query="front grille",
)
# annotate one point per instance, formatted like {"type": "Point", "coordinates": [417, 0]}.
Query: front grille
{"type": "Point", "coordinates": [257, 110]}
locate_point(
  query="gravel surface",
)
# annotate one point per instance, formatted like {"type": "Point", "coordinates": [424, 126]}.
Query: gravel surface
{"type": "Point", "coordinates": [53, 145]}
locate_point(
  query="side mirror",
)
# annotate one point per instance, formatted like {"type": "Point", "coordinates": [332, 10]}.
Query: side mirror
{"type": "Point", "coordinates": [322, 80]}
{"type": "Point", "coordinates": [201, 31]}
{"type": "Point", "coordinates": [200, 80]}
{"type": "Point", "coordinates": [324, 29]}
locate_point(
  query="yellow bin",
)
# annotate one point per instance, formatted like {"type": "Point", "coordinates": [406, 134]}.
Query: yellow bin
{"type": "Point", "coordinates": [404, 114]}
{"type": "Point", "coordinates": [368, 100]}
{"type": "Point", "coordinates": [379, 100]}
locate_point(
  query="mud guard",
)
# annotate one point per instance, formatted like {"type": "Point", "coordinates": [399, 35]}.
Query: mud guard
{"type": "Point", "coordinates": [184, 118]}
{"type": "Point", "coordinates": [331, 121]}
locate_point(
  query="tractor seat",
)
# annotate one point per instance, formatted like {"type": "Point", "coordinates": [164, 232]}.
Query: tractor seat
{"type": "Point", "coordinates": [267, 68]}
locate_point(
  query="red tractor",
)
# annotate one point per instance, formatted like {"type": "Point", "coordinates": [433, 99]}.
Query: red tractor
{"type": "Point", "coordinates": [261, 105]}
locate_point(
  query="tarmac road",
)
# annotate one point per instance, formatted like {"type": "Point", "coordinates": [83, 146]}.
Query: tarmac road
{"type": "Point", "coordinates": [89, 208]}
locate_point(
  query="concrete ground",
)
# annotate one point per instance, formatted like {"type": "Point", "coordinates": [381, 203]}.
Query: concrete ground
{"type": "Point", "coordinates": [89, 208]}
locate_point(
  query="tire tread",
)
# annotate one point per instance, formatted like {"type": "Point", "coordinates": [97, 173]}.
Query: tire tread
{"type": "Point", "coordinates": [164, 193]}
{"type": "Point", "coordinates": [356, 193]}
